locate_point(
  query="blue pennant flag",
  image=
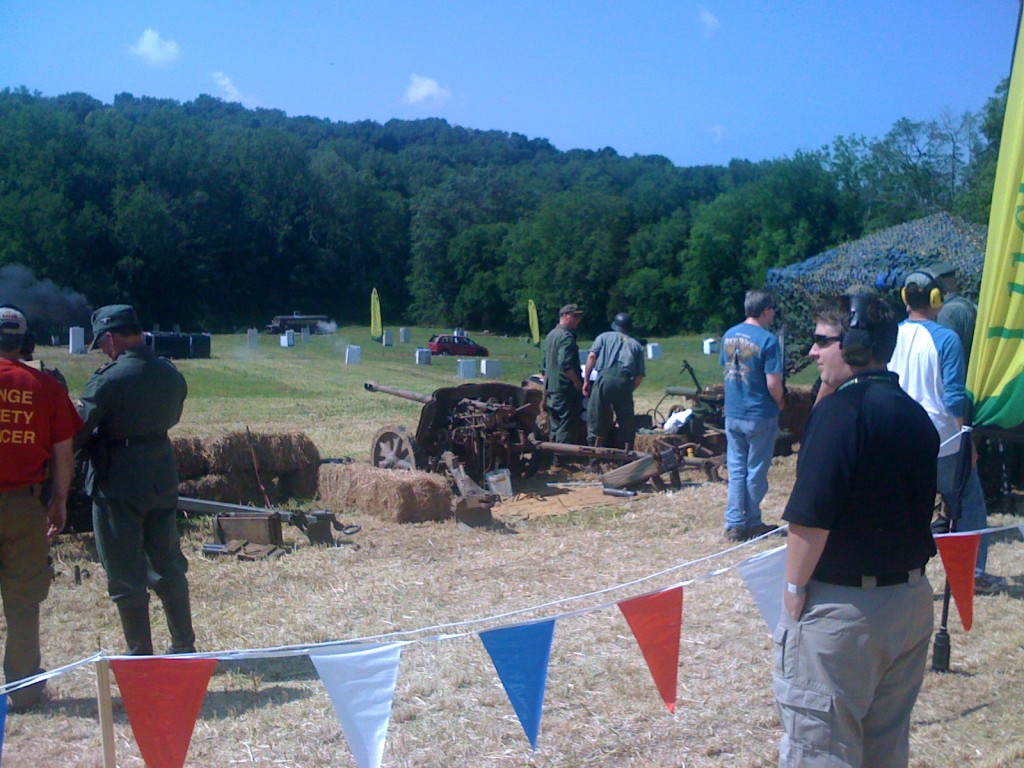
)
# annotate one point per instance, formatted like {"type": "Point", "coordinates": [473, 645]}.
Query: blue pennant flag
{"type": "Point", "coordinates": [520, 655]}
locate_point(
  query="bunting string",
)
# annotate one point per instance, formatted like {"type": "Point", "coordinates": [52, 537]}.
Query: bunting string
{"type": "Point", "coordinates": [438, 630]}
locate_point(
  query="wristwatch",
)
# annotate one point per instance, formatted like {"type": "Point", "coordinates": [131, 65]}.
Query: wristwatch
{"type": "Point", "coordinates": [794, 589]}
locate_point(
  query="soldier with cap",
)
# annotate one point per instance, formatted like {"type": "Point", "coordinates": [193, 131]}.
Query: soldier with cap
{"type": "Point", "coordinates": [127, 406]}
{"type": "Point", "coordinates": [958, 313]}
{"type": "Point", "coordinates": [37, 425]}
{"type": "Point", "coordinates": [619, 361]}
{"type": "Point", "coordinates": [563, 385]}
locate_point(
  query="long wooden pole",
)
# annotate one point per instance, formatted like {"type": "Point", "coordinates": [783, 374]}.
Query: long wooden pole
{"type": "Point", "coordinates": [105, 704]}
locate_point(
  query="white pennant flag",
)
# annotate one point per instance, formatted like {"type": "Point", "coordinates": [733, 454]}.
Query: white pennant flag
{"type": "Point", "coordinates": [764, 575]}
{"type": "Point", "coordinates": [361, 684]}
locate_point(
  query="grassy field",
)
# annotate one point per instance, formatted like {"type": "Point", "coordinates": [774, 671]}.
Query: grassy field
{"type": "Point", "coordinates": [601, 708]}
{"type": "Point", "coordinates": [309, 387]}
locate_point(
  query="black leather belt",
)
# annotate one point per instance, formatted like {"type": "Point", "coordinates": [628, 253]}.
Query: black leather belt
{"type": "Point", "coordinates": [870, 582]}
{"type": "Point", "coordinates": [124, 442]}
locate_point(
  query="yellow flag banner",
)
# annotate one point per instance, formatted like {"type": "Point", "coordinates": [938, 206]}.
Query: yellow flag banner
{"type": "Point", "coordinates": [995, 376]}
{"type": "Point", "coordinates": [376, 325]}
{"type": "Point", "coordinates": [534, 322]}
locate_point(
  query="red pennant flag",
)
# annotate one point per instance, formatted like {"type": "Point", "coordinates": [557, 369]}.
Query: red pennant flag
{"type": "Point", "coordinates": [959, 557]}
{"type": "Point", "coordinates": [657, 621]}
{"type": "Point", "coordinates": [162, 698]}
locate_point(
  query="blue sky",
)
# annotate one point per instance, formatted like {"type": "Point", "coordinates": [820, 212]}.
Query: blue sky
{"type": "Point", "coordinates": [697, 82]}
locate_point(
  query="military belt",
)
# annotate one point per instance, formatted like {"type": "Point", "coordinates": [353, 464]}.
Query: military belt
{"type": "Point", "coordinates": [124, 442]}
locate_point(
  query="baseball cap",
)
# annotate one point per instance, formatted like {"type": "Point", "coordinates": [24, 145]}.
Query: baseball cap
{"type": "Point", "coordinates": [570, 309]}
{"type": "Point", "coordinates": [920, 279]}
{"type": "Point", "coordinates": [111, 318]}
{"type": "Point", "coordinates": [12, 321]}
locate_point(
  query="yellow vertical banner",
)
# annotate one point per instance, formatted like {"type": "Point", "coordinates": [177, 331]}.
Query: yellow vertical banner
{"type": "Point", "coordinates": [995, 375]}
{"type": "Point", "coordinates": [531, 308]}
{"type": "Point", "coordinates": [376, 325]}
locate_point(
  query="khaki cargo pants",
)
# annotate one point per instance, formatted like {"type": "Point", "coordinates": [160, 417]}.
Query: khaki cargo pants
{"type": "Point", "coordinates": [848, 672]}
{"type": "Point", "coordinates": [24, 584]}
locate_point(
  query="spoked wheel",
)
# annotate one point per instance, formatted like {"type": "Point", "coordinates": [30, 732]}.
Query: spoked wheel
{"type": "Point", "coordinates": [394, 448]}
{"type": "Point", "coordinates": [526, 463]}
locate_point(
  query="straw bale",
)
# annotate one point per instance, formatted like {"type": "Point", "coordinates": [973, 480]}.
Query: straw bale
{"type": "Point", "coordinates": [191, 457]}
{"type": "Point", "coordinates": [233, 488]}
{"type": "Point", "coordinates": [655, 443]}
{"type": "Point", "coordinates": [395, 495]}
{"type": "Point", "coordinates": [302, 483]}
{"type": "Point", "coordinates": [278, 453]}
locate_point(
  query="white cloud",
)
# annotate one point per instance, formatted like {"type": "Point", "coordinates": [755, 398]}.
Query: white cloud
{"type": "Point", "coordinates": [154, 50]}
{"type": "Point", "coordinates": [228, 88]}
{"type": "Point", "coordinates": [709, 23]}
{"type": "Point", "coordinates": [718, 133]}
{"type": "Point", "coordinates": [425, 89]}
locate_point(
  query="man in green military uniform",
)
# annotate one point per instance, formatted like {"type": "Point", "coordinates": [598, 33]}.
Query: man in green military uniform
{"type": "Point", "coordinates": [127, 406]}
{"type": "Point", "coordinates": [563, 386]}
{"type": "Point", "coordinates": [619, 360]}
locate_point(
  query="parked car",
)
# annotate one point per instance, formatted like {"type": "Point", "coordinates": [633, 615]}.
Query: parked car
{"type": "Point", "coordinates": [443, 344]}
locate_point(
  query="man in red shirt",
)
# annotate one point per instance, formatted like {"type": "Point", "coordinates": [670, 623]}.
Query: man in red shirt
{"type": "Point", "coordinates": [37, 423]}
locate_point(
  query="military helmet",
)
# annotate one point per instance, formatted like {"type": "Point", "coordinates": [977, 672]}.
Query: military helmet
{"type": "Point", "coordinates": [622, 323]}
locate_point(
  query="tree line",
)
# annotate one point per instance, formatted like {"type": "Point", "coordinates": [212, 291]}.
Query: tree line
{"type": "Point", "coordinates": [216, 217]}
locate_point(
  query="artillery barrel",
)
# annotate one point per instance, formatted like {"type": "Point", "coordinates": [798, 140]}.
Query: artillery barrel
{"type": "Point", "coordinates": [588, 451]}
{"type": "Point", "coordinates": [373, 386]}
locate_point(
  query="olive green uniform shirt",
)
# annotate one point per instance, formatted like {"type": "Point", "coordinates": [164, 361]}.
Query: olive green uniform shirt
{"type": "Point", "coordinates": [561, 353]}
{"type": "Point", "coordinates": [127, 406]}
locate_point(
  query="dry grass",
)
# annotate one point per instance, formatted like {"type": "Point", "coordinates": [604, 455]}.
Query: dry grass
{"type": "Point", "coordinates": [602, 708]}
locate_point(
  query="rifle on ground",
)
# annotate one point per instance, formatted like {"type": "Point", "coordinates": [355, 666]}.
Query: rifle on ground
{"type": "Point", "coordinates": [263, 526]}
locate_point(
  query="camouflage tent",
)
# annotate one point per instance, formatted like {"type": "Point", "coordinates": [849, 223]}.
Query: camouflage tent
{"type": "Point", "coordinates": [880, 261]}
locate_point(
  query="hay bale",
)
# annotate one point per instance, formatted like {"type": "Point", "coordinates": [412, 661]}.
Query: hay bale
{"type": "Point", "coordinates": [191, 458]}
{"type": "Point", "coordinates": [233, 488]}
{"type": "Point", "coordinates": [387, 494]}
{"type": "Point", "coordinates": [302, 483]}
{"type": "Point", "coordinates": [656, 442]}
{"type": "Point", "coordinates": [278, 454]}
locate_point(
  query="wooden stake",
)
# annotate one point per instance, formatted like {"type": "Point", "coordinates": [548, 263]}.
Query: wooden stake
{"type": "Point", "coordinates": [105, 704]}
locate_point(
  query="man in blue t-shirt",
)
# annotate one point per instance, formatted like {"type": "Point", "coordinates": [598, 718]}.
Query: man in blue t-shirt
{"type": "Point", "coordinates": [752, 358]}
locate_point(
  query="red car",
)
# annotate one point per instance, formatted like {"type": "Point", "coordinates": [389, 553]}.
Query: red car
{"type": "Point", "coordinates": [455, 345]}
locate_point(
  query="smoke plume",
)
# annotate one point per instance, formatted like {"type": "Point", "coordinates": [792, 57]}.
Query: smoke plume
{"type": "Point", "coordinates": [50, 309]}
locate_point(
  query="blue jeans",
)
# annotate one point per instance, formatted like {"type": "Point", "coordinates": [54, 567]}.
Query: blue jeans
{"type": "Point", "coordinates": [751, 445]}
{"type": "Point", "coordinates": [973, 515]}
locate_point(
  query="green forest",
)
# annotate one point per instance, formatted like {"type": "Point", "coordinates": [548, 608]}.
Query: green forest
{"type": "Point", "coordinates": [216, 217]}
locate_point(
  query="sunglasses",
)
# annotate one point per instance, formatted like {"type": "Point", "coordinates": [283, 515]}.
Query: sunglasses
{"type": "Point", "coordinates": [823, 341]}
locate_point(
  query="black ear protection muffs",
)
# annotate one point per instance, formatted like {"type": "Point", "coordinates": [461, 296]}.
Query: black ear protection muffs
{"type": "Point", "coordinates": [935, 293]}
{"type": "Point", "coordinates": [857, 343]}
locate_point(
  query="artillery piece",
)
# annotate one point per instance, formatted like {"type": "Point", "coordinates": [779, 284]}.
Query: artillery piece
{"type": "Point", "coordinates": [485, 427]}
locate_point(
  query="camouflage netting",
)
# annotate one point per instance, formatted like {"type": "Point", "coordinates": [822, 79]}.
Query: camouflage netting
{"type": "Point", "coordinates": [221, 468]}
{"type": "Point", "coordinates": [396, 495]}
{"type": "Point", "coordinates": [878, 261]}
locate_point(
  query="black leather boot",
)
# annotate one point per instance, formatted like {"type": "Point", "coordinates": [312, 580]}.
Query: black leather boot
{"type": "Point", "coordinates": [179, 622]}
{"type": "Point", "coordinates": [135, 624]}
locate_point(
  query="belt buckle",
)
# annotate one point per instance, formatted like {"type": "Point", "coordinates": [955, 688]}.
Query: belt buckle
{"type": "Point", "coordinates": [868, 582]}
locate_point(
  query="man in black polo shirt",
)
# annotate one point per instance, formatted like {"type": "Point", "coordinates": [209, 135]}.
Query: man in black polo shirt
{"type": "Point", "coordinates": [852, 642]}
